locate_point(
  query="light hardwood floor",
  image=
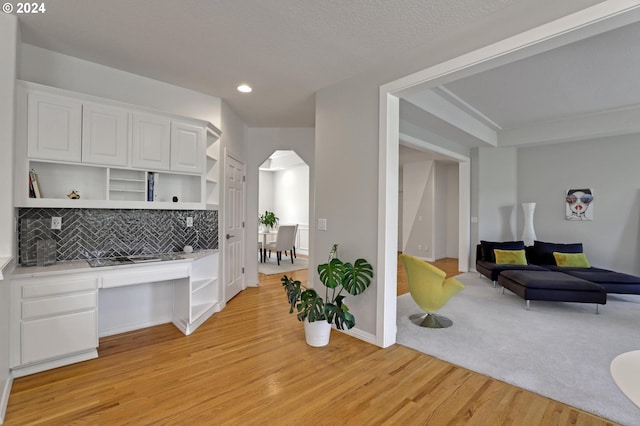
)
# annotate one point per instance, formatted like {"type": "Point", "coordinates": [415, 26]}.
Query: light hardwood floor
{"type": "Point", "coordinates": [249, 365]}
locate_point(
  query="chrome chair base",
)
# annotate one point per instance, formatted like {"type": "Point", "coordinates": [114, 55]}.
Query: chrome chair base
{"type": "Point", "coordinates": [431, 320]}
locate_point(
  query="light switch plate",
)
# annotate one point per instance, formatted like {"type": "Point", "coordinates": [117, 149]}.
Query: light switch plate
{"type": "Point", "coordinates": [322, 224]}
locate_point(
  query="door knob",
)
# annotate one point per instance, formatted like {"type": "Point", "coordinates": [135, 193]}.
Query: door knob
{"type": "Point", "coordinates": [230, 236]}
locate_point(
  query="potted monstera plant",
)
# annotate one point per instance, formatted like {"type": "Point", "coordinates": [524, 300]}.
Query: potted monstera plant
{"type": "Point", "coordinates": [320, 313]}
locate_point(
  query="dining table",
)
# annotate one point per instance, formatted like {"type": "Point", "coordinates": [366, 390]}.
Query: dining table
{"type": "Point", "coordinates": [263, 238]}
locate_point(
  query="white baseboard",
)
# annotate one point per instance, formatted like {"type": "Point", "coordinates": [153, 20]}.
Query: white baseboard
{"type": "Point", "coordinates": [59, 362]}
{"type": "Point", "coordinates": [362, 335]}
{"type": "Point", "coordinates": [4, 398]}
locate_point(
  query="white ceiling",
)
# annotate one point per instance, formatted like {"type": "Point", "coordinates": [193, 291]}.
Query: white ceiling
{"type": "Point", "coordinates": [285, 49]}
{"type": "Point", "coordinates": [582, 90]}
{"type": "Point", "coordinates": [592, 75]}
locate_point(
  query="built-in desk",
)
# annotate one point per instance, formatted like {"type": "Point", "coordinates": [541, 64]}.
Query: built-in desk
{"type": "Point", "coordinates": [60, 311]}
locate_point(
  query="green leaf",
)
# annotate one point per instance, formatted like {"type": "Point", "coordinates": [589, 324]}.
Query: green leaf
{"type": "Point", "coordinates": [293, 290]}
{"type": "Point", "coordinates": [357, 277]}
{"type": "Point", "coordinates": [339, 314]}
{"type": "Point", "coordinates": [311, 306]}
{"type": "Point", "coordinates": [332, 273]}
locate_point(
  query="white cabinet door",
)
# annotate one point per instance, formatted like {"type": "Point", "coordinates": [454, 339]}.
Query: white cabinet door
{"type": "Point", "coordinates": [151, 147]}
{"type": "Point", "coordinates": [54, 127]}
{"type": "Point", "coordinates": [187, 147]}
{"type": "Point", "coordinates": [104, 135]}
{"type": "Point", "coordinates": [48, 338]}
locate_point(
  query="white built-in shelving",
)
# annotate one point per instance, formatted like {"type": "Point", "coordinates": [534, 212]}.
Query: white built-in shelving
{"type": "Point", "coordinates": [212, 169]}
{"type": "Point", "coordinates": [104, 150]}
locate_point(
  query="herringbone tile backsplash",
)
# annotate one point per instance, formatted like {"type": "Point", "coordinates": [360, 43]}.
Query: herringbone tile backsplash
{"type": "Point", "coordinates": [92, 233]}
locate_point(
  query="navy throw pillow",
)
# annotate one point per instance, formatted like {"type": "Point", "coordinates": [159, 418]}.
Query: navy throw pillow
{"type": "Point", "coordinates": [544, 251]}
{"type": "Point", "coordinates": [487, 247]}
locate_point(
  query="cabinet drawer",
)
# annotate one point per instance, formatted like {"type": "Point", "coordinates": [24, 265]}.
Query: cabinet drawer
{"type": "Point", "coordinates": [58, 305]}
{"type": "Point", "coordinates": [62, 335]}
{"type": "Point", "coordinates": [146, 274]}
{"type": "Point", "coordinates": [52, 288]}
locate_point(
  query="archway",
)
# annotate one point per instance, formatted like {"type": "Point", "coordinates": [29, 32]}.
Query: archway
{"type": "Point", "coordinates": [283, 188]}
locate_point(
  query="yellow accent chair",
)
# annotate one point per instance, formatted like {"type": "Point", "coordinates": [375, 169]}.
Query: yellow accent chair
{"type": "Point", "coordinates": [430, 289]}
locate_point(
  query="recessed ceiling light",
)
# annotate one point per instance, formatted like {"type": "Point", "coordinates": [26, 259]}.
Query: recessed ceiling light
{"type": "Point", "coordinates": [244, 88]}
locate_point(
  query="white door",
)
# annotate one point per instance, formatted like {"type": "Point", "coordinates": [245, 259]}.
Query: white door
{"type": "Point", "coordinates": [233, 228]}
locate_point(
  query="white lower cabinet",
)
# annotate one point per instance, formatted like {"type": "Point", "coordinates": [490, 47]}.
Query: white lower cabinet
{"type": "Point", "coordinates": [60, 335]}
{"type": "Point", "coordinates": [56, 322]}
{"type": "Point", "coordinates": [54, 317]}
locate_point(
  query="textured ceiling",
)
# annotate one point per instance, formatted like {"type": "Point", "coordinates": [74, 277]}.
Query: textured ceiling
{"type": "Point", "coordinates": [286, 49]}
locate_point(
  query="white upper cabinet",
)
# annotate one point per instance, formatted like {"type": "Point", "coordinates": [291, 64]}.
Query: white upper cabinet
{"type": "Point", "coordinates": [54, 127]}
{"type": "Point", "coordinates": [187, 147]}
{"type": "Point", "coordinates": [151, 143]}
{"type": "Point", "coordinates": [104, 135]}
{"type": "Point", "coordinates": [104, 150]}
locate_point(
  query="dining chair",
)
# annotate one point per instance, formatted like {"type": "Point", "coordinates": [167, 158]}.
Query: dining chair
{"type": "Point", "coordinates": [285, 241]}
{"type": "Point", "coordinates": [294, 244]}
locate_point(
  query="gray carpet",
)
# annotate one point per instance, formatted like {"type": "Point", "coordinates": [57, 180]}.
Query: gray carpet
{"type": "Point", "coordinates": [559, 350]}
{"type": "Point", "coordinates": [271, 266]}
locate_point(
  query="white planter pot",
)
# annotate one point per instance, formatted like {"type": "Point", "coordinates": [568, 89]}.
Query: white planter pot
{"type": "Point", "coordinates": [317, 333]}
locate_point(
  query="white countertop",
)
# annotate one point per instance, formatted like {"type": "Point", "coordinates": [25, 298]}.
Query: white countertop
{"type": "Point", "coordinates": [82, 265]}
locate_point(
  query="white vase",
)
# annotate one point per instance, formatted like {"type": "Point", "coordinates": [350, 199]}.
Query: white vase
{"type": "Point", "coordinates": [317, 333]}
{"type": "Point", "coordinates": [528, 232]}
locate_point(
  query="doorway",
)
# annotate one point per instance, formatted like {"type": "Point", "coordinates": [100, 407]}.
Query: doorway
{"type": "Point", "coordinates": [428, 205]}
{"type": "Point", "coordinates": [283, 188]}
{"type": "Point", "coordinates": [579, 25]}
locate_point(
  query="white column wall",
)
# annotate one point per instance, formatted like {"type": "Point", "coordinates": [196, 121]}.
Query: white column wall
{"type": "Point", "coordinates": [9, 39]}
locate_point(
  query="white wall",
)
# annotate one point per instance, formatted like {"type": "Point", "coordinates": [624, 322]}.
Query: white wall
{"type": "Point", "coordinates": [608, 166]}
{"type": "Point", "coordinates": [66, 72]}
{"type": "Point", "coordinates": [291, 195]}
{"type": "Point", "coordinates": [452, 210]}
{"type": "Point", "coordinates": [9, 39]}
{"type": "Point", "coordinates": [234, 132]}
{"type": "Point", "coordinates": [286, 193]}
{"type": "Point", "coordinates": [497, 186]}
{"type": "Point", "coordinates": [8, 53]}
{"type": "Point", "coordinates": [265, 192]}
{"type": "Point", "coordinates": [263, 141]}
{"type": "Point", "coordinates": [417, 219]}
{"type": "Point", "coordinates": [429, 207]}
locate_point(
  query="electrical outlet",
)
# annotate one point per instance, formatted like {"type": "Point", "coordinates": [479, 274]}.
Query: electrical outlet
{"type": "Point", "coordinates": [56, 222]}
{"type": "Point", "coordinates": [189, 221]}
{"type": "Point", "coordinates": [419, 246]}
